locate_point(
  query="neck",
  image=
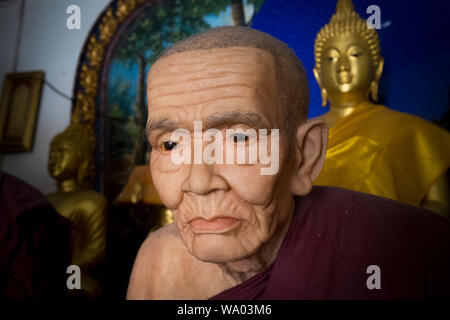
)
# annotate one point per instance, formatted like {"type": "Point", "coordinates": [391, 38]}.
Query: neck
{"type": "Point", "coordinates": [342, 105]}
{"type": "Point", "coordinates": [341, 112]}
{"type": "Point", "coordinates": [240, 271]}
{"type": "Point", "coordinates": [347, 100]}
{"type": "Point", "coordinates": [68, 185]}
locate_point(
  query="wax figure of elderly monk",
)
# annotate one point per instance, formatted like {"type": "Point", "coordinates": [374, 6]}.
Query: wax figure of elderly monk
{"type": "Point", "coordinates": [239, 234]}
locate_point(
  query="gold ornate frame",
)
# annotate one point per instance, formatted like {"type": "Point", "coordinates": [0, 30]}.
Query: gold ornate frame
{"type": "Point", "coordinates": [92, 59]}
{"type": "Point", "coordinates": [94, 49]}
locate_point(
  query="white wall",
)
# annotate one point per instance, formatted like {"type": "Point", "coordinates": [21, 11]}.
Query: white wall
{"type": "Point", "coordinates": [46, 45]}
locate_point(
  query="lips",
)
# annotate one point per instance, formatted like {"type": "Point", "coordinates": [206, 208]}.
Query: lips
{"type": "Point", "coordinates": [215, 225]}
{"type": "Point", "coordinates": [344, 77]}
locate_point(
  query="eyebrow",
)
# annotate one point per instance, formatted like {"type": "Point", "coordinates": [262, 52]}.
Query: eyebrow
{"type": "Point", "coordinates": [354, 46]}
{"type": "Point", "coordinates": [234, 117]}
{"type": "Point", "coordinates": [163, 124]}
{"type": "Point", "coordinates": [215, 120]}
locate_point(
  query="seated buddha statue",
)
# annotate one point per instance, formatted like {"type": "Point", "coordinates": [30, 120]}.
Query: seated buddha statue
{"type": "Point", "coordinates": [374, 149]}
{"type": "Point", "coordinates": [70, 164]}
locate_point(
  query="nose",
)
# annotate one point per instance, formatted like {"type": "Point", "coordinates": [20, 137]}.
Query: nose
{"type": "Point", "coordinates": [343, 64]}
{"type": "Point", "coordinates": [199, 179]}
{"type": "Point", "coordinates": [202, 180]}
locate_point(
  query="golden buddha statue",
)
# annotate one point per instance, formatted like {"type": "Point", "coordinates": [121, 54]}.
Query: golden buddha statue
{"type": "Point", "coordinates": [141, 193]}
{"type": "Point", "coordinates": [371, 148]}
{"type": "Point", "coordinates": [70, 165]}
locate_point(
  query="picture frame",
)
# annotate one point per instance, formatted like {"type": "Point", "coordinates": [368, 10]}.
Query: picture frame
{"type": "Point", "coordinates": [19, 109]}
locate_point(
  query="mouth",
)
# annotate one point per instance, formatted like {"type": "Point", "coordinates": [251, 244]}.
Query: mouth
{"type": "Point", "coordinates": [213, 226]}
{"type": "Point", "coordinates": [344, 77]}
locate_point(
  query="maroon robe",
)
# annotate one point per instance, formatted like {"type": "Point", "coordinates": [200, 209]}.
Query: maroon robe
{"type": "Point", "coordinates": [336, 234]}
{"type": "Point", "coordinates": [35, 243]}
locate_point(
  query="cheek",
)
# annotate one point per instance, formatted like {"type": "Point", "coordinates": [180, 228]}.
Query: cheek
{"type": "Point", "coordinates": [248, 183]}
{"type": "Point", "coordinates": [66, 163]}
{"type": "Point", "coordinates": [328, 77]}
{"type": "Point", "coordinates": [363, 73]}
{"type": "Point", "coordinates": [167, 182]}
{"type": "Point", "coordinates": [168, 187]}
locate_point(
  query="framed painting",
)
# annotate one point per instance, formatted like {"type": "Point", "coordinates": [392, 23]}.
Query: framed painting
{"type": "Point", "coordinates": [19, 109]}
{"type": "Point", "coordinates": [110, 87]}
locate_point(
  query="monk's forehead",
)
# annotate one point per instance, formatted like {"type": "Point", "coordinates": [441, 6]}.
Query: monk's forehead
{"type": "Point", "coordinates": [200, 77]}
{"type": "Point", "coordinates": [251, 64]}
{"type": "Point", "coordinates": [212, 58]}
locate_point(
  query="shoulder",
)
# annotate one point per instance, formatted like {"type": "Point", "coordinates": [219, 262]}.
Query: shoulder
{"type": "Point", "coordinates": [418, 145]}
{"type": "Point", "coordinates": [18, 196]}
{"type": "Point", "coordinates": [407, 124]}
{"type": "Point", "coordinates": [365, 224]}
{"type": "Point", "coordinates": [158, 265]}
{"type": "Point", "coordinates": [337, 203]}
{"type": "Point", "coordinates": [340, 233]}
{"type": "Point", "coordinates": [90, 200]}
{"type": "Point", "coordinates": [91, 195]}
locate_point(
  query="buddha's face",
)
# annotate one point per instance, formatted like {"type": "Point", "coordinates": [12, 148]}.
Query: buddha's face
{"type": "Point", "coordinates": [223, 212]}
{"type": "Point", "coordinates": [63, 160]}
{"type": "Point", "coordinates": [347, 67]}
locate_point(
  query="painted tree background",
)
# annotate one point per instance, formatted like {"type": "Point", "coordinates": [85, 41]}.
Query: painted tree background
{"type": "Point", "coordinates": [150, 34]}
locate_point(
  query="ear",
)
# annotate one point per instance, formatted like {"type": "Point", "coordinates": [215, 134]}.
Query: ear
{"type": "Point", "coordinates": [379, 70]}
{"type": "Point", "coordinates": [317, 76]}
{"type": "Point", "coordinates": [82, 170]}
{"type": "Point", "coordinates": [374, 84]}
{"type": "Point", "coordinates": [323, 91]}
{"type": "Point", "coordinates": [310, 151]}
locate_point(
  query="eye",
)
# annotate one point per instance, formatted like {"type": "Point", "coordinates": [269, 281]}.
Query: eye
{"type": "Point", "coordinates": [169, 145]}
{"type": "Point", "coordinates": [240, 137]}
{"type": "Point", "coordinates": [332, 55]}
{"type": "Point", "coordinates": [355, 54]}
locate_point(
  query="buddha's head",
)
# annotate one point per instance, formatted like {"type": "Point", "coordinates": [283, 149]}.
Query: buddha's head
{"type": "Point", "coordinates": [70, 154]}
{"type": "Point", "coordinates": [348, 61]}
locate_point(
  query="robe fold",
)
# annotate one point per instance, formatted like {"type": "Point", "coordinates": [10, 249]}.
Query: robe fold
{"type": "Point", "coordinates": [386, 153]}
{"type": "Point", "coordinates": [334, 237]}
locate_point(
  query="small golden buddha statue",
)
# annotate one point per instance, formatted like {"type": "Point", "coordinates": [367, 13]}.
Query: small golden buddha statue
{"type": "Point", "coordinates": [70, 164]}
{"type": "Point", "coordinates": [374, 149]}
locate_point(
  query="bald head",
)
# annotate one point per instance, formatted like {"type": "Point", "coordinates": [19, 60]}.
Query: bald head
{"type": "Point", "coordinates": [292, 86]}
{"type": "Point", "coordinates": [226, 92]}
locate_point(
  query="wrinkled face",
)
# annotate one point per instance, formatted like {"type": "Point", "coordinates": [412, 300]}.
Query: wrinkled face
{"type": "Point", "coordinates": [347, 65]}
{"type": "Point", "coordinates": [63, 161]}
{"type": "Point", "coordinates": [224, 212]}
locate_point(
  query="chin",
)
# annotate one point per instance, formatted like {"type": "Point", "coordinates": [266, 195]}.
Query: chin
{"type": "Point", "coordinates": [345, 87]}
{"type": "Point", "coordinates": [218, 248]}
{"type": "Point", "coordinates": [55, 175]}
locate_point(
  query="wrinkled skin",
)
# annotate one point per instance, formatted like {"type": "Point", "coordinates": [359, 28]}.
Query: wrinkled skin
{"type": "Point", "coordinates": [210, 191]}
{"type": "Point", "coordinates": [230, 218]}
